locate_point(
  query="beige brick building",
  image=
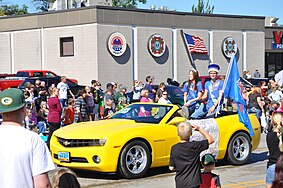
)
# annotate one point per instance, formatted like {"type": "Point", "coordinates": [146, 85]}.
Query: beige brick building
{"type": "Point", "coordinates": [74, 43]}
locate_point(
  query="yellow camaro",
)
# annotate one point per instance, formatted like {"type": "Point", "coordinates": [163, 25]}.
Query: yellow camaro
{"type": "Point", "coordinates": [140, 137]}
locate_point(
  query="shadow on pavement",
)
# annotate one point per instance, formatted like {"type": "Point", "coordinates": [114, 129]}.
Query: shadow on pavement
{"type": "Point", "coordinates": [254, 158]}
{"type": "Point", "coordinates": [257, 157]}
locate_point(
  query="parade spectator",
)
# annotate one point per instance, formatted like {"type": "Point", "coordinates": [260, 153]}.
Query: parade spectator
{"type": "Point", "coordinates": [208, 178]}
{"type": "Point", "coordinates": [55, 111]}
{"type": "Point", "coordinates": [149, 88]}
{"type": "Point", "coordinates": [256, 74]}
{"type": "Point", "coordinates": [43, 92]}
{"type": "Point", "coordinates": [65, 178]}
{"type": "Point", "coordinates": [95, 92]}
{"type": "Point", "coordinates": [184, 157]}
{"type": "Point", "coordinates": [36, 94]}
{"type": "Point", "coordinates": [28, 160]}
{"type": "Point", "coordinates": [70, 112]}
{"type": "Point", "coordinates": [192, 93]}
{"type": "Point", "coordinates": [213, 93]}
{"type": "Point", "coordinates": [108, 98]}
{"type": "Point", "coordinates": [89, 103]}
{"type": "Point", "coordinates": [80, 107]}
{"type": "Point", "coordinates": [245, 74]}
{"type": "Point", "coordinates": [160, 90]}
{"type": "Point", "coordinates": [164, 98]}
{"type": "Point", "coordinates": [145, 96]}
{"type": "Point", "coordinates": [121, 99]}
{"type": "Point", "coordinates": [263, 88]}
{"type": "Point", "coordinates": [280, 108]}
{"type": "Point", "coordinates": [274, 144]}
{"type": "Point", "coordinates": [30, 119]}
{"type": "Point", "coordinates": [137, 88]}
{"type": "Point", "coordinates": [42, 117]}
{"type": "Point", "coordinates": [28, 98]}
{"type": "Point", "coordinates": [271, 84]}
{"type": "Point", "coordinates": [63, 88]}
{"type": "Point", "coordinates": [249, 76]}
{"type": "Point", "coordinates": [115, 86]}
{"type": "Point", "coordinates": [254, 103]}
{"type": "Point", "coordinates": [275, 95]}
{"type": "Point", "coordinates": [278, 179]}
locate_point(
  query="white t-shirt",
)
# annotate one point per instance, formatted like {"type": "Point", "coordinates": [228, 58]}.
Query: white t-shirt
{"type": "Point", "coordinates": [164, 101]}
{"type": "Point", "coordinates": [23, 155]}
{"type": "Point", "coordinates": [63, 90]}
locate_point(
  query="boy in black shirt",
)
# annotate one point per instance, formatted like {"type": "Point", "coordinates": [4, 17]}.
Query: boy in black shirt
{"type": "Point", "coordinates": [185, 157]}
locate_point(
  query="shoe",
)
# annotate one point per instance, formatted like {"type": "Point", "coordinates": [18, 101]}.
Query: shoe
{"type": "Point", "coordinates": [185, 111]}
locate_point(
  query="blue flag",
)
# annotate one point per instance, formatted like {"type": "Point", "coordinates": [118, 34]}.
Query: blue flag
{"type": "Point", "coordinates": [233, 90]}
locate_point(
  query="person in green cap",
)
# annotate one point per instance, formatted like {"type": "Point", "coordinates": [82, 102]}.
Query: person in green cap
{"type": "Point", "coordinates": [25, 158]}
{"type": "Point", "coordinates": [208, 178]}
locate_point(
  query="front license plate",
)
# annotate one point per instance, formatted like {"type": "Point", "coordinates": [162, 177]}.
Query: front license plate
{"type": "Point", "coordinates": [64, 156]}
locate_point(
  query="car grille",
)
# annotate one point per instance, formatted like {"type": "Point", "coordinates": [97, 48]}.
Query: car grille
{"type": "Point", "coordinates": [74, 159]}
{"type": "Point", "coordinates": [76, 142]}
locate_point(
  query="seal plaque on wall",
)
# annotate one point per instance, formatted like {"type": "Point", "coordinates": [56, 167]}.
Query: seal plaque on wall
{"type": "Point", "coordinates": [156, 45]}
{"type": "Point", "coordinates": [229, 47]}
{"type": "Point", "coordinates": [117, 44]}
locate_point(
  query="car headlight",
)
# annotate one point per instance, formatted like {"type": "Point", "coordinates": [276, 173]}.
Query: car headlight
{"type": "Point", "coordinates": [99, 142]}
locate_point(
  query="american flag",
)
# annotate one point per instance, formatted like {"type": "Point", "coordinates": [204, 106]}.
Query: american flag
{"type": "Point", "coordinates": [195, 44]}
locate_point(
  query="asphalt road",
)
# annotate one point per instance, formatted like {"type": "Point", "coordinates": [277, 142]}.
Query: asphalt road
{"type": "Point", "coordinates": [251, 174]}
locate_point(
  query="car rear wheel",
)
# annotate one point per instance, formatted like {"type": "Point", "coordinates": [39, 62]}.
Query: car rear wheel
{"type": "Point", "coordinates": [239, 149]}
{"type": "Point", "coordinates": [135, 160]}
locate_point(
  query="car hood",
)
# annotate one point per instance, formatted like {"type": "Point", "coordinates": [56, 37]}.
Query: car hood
{"type": "Point", "coordinates": [95, 129]}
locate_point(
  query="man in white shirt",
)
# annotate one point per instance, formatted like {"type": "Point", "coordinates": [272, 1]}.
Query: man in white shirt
{"type": "Point", "coordinates": [25, 158]}
{"type": "Point", "coordinates": [63, 88]}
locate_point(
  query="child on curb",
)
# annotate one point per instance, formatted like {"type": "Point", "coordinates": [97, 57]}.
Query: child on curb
{"type": "Point", "coordinates": [70, 112]}
{"type": "Point", "coordinates": [209, 179]}
{"type": "Point", "coordinates": [185, 156]}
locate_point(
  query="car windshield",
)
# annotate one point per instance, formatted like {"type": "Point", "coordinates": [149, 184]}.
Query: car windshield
{"type": "Point", "coordinates": [144, 113]}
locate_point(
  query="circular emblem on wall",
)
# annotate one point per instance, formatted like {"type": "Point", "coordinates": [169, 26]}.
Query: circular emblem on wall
{"type": "Point", "coordinates": [229, 47]}
{"type": "Point", "coordinates": [117, 44]}
{"type": "Point", "coordinates": [156, 45]}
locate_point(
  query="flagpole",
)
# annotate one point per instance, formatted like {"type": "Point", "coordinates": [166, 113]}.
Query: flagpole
{"type": "Point", "coordinates": [188, 52]}
{"type": "Point", "coordinates": [225, 83]}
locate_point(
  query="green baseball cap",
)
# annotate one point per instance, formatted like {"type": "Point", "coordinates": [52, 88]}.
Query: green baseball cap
{"type": "Point", "coordinates": [208, 159]}
{"type": "Point", "coordinates": [11, 99]}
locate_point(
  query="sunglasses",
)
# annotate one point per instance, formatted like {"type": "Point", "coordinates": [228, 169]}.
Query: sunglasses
{"type": "Point", "coordinates": [164, 94]}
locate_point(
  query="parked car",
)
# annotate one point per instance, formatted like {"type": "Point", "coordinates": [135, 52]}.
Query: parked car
{"type": "Point", "coordinates": [53, 80]}
{"type": "Point", "coordinates": [13, 81]}
{"type": "Point", "coordinates": [131, 142]}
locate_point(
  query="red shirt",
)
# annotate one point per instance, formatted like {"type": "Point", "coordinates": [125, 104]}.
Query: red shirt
{"type": "Point", "coordinates": [55, 110]}
{"type": "Point", "coordinates": [70, 113]}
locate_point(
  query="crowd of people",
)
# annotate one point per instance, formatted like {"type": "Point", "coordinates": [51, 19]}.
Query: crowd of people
{"type": "Point", "coordinates": [48, 109]}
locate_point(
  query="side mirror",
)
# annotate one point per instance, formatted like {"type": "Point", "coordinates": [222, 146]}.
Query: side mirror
{"type": "Point", "coordinates": [177, 120]}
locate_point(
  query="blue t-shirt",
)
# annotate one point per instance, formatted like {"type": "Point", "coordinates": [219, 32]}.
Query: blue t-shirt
{"type": "Point", "coordinates": [213, 89]}
{"type": "Point", "coordinates": [191, 93]}
{"type": "Point", "coordinates": [150, 94]}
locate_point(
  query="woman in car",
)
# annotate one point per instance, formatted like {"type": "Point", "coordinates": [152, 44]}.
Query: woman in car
{"type": "Point", "coordinates": [192, 93]}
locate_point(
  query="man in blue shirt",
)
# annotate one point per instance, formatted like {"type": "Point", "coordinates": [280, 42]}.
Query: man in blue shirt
{"type": "Point", "coordinates": [213, 93]}
{"type": "Point", "coordinates": [148, 86]}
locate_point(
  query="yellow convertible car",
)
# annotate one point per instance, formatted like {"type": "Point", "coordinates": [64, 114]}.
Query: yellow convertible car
{"type": "Point", "coordinates": [140, 137]}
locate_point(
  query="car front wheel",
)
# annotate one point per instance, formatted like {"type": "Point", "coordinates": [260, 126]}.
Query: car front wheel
{"type": "Point", "coordinates": [239, 149]}
{"type": "Point", "coordinates": [135, 160]}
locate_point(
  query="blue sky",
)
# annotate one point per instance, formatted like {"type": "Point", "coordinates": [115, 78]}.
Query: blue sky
{"type": "Point", "coordinates": [271, 8]}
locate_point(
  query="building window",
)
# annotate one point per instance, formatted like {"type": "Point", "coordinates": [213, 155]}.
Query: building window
{"type": "Point", "coordinates": [66, 46]}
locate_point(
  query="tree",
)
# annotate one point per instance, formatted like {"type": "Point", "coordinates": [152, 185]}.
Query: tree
{"type": "Point", "coordinates": [203, 7]}
{"type": "Point", "coordinates": [42, 5]}
{"type": "Point", "coordinates": [12, 10]}
{"type": "Point", "coordinates": [127, 3]}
